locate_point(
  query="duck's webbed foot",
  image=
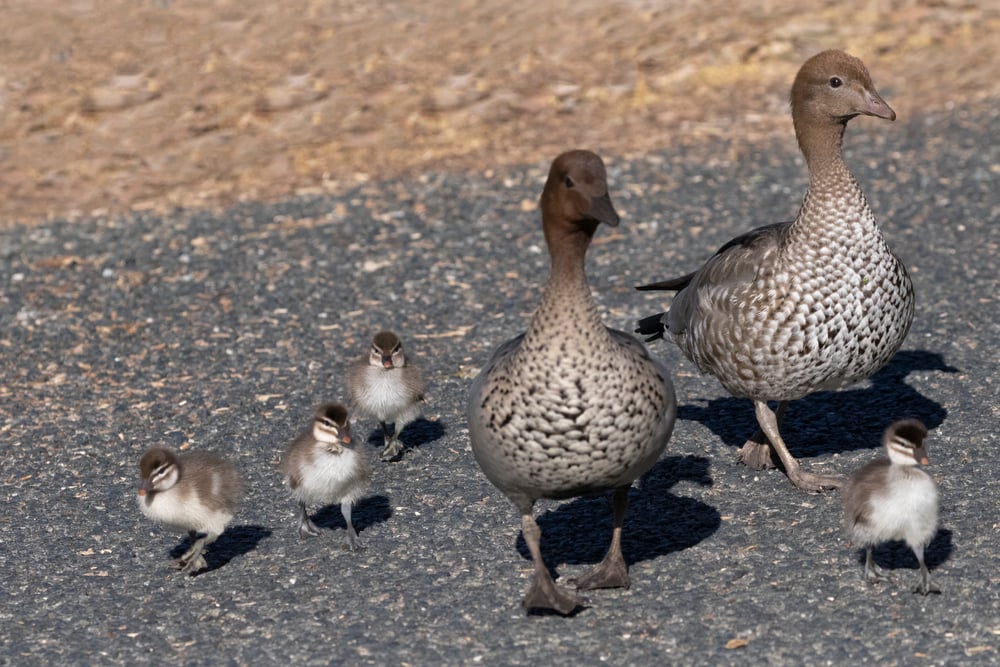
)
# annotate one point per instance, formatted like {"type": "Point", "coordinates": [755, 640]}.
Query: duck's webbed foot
{"type": "Point", "coordinates": [306, 527]}
{"type": "Point", "coordinates": [193, 560]}
{"type": "Point", "coordinates": [393, 445]}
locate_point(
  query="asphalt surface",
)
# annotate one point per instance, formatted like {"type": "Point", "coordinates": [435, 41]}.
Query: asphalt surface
{"type": "Point", "coordinates": [221, 332]}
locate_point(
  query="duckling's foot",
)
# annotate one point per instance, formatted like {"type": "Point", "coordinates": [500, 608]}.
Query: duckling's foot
{"type": "Point", "coordinates": [757, 455]}
{"type": "Point", "coordinates": [808, 481]}
{"type": "Point", "coordinates": [877, 576]}
{"type": "Point", "coordinates": [352, 543]}
{"type": "Point", "coordinates": [193, 565]}
{"type": "Point", "coordinates": [873, 574]}
{"type": "Point", "coordinates": [393, 448]}
{"type": "Point", "coordinates": [545, 595]}
{"type": "Point", "coordinates": [307, 528]}
{"type": "Point", "coordinates": [346, 509]}
{"type": "Point", "coordinates": [925, 587]}
{"type": "Point", "coordinates": [192, 560]}
{"type": "Point", "coordinates": [609, 573]}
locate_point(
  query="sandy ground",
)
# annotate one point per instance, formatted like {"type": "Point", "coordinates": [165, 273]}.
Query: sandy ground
{"type": "Point", "coordinates": [122, 104]}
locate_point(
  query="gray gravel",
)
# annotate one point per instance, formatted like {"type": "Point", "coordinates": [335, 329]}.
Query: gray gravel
{"type": "Point", "coordinates": [222, 332]}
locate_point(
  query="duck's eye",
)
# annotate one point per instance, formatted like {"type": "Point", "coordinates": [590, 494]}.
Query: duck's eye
{"type": "Point", "coordinates": [835, 82]}
{"type": "Point", "coordinates": [569, 182]}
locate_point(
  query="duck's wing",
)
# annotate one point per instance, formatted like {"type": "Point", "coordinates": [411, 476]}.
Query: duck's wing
{"type": "Point", "coordinates": [733, 266]}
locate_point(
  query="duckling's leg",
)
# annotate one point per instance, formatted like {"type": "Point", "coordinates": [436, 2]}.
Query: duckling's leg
{"type": "Point", "coordinates": [192, 540]}
{"type": "Point", "coordinates": [544, 594]}
{"type": "Point", "coordinates": [756, 452]}
{"type": "Point", "coordinates": [925, 586]}
{"type": "Point", "coordinates": [612, 572]}
{"type": "Point", "coordinates": [804, 480]}
{"type": "Point", "coordinates": [393, 447]}
{"type": "Point", "coordinates": [192, 560]}
{"type": "Point", "coordinates": [306, 527]}
{"type": "Point", "coordinates": [872, 573]}
{"type": "Point", "coordinates": [352, 535]}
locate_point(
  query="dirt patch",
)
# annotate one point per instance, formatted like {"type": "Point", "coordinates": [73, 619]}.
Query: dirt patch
{"type": "Point", "coordinates": [116, 105]}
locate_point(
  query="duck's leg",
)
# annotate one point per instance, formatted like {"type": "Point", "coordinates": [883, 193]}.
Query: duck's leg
{"type": "Point", "coordinates": [352, 535]}
{"type": "Point", "coordinates": [544, 594]}
{"type": "Point", "coordinates": [393, 447]}
{"type": "Point", "coordinates": [925, 586]}
{"type": "Point", "coordinates": [192, 561]}
{"type": "Point", "coordinates": [756, 452]}
{"type": "Point", "coordinates": [872, 572]}
{"type": "Point", "coordinates": [306, 527]}
{"type": "Point", "coordinates": [612, 572]}
{"type": "Point", "coordinates": [186, 556]}
{"type": "Point", "coordinates": [804, 480]}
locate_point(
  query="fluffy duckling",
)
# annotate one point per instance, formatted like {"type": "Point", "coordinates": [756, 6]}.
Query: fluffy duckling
{"type": "Point", "coordinates": [196, 492]}
{"type": "Point", "coordinates": [387, 386]}
{"type": "Point", "coordinates": [894, 499]}
{"type": "Point", "coordinates": [321, 466]}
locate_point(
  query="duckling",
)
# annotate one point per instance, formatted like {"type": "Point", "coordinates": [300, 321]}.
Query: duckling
{"type": "Point", "coordinates": [386, 385]}
{"type": "Point", "coordinates": [321, 467]}
{"type": "Point", "coordinates": [197, 492]}
{"type": "Point", "coordinates": [893, 499]}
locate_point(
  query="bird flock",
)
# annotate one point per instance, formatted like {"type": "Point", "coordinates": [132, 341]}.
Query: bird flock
{"type": "Point", "coordinates": [198, 492]}
{"type": "Point", "coordinates": [571, 407]}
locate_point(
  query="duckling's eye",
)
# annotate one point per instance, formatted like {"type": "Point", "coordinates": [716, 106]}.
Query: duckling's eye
{"type": "Point", "coordinates": [569, 182]}
{"type": "Point", "coordinates": [835, 82]}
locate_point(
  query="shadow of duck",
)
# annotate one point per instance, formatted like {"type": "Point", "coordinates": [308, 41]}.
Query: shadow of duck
{"type": "Point", "coordinates": [234, 542]}
{"type": "Point", "coordinates": [897, 554]}
{"type": "Point", "coordinates": [657, 522]}
{"type": "Point", "coordinates": [835, 421]}
{"type": "Point", "coordinates": [367, 512]}
{"type": "Point", "coordinates": [417, 433]}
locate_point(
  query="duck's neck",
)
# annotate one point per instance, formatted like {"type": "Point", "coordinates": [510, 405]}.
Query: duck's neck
{"type": "Point", "coordinates": [568, 246]}
{"type": "Point", "coordinates": [821, 144]}
{"type": "Point", "coordinates": [834, 209]}
{"type": "Point", "coordinates": [567, 303]}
